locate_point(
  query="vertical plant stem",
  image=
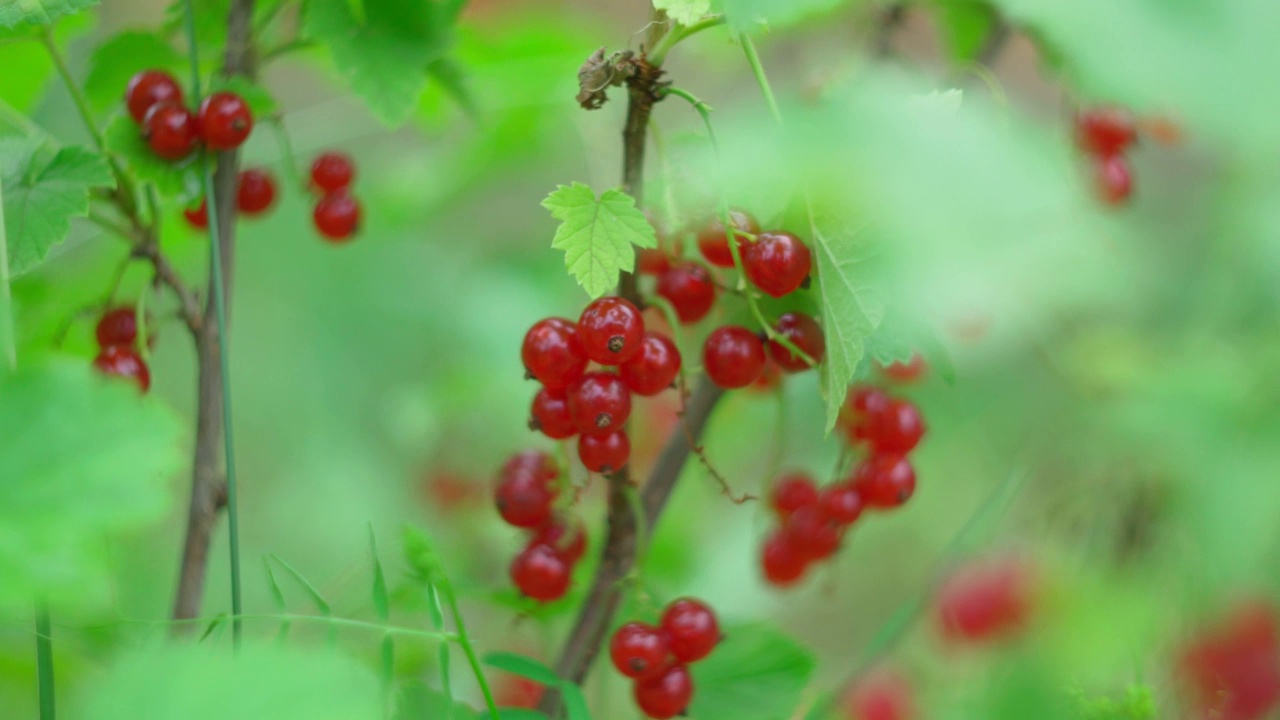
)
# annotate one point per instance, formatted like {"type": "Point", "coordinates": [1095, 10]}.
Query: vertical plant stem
{"type": "Point", "coordinates": [753, 59]}
{"type": "Point", "coordinates": [8, 342]}
{"type": "Point", "coordinates": [77, 97]}
{"type": "Point", "coordinates": [44, 661]}
{"type": "Point", "coordinates": [464, 641]}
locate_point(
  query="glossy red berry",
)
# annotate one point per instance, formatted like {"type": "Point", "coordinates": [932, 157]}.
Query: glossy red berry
{"type": "Point", "coordinates": [881, 695]}
{"type": "Point", "coordinates": [1105, 131]}
{"type": "Point", "coordinates": [842, 503]}
{"type": "Point", "coordinates": [652, 261]}
{"type": "Point", "coordinates": [606, 453]}
{"type": "Point", "coordinates": [611, 330]}
{"type": "Point", "coordinates": [905, 372]}
{"type": "Point", "coordinates": [805, 333]}
{"type": "Point", "coordinates": [896, 429]}
{"type": "Point", "coordinates": [552, 354]}
{"type": "Point", "coordinates": [985, 601]}
{"type": "Point", "coordinates": [541, 573]}
{"type": "Point", "coordinates": [257, 191]}
{"type": "Point", "coordinates": [123, 362]}
{"type": "Point", "coordinates": [639, 651]}
{"type": "Point", "coordinates": [1113, 180]}
{"type": "Point", "coordinates": [688, 287]}
{"type": "Point", "coordinates": [733, 357]}
{"type": "Point", "coordinates": [666, 695]}
{"type": "Point", "coordinates": [225, 121]}
{"type": "Point", "coordinates": [568, 540]}
{"type": "Point", "coordinates": [332, 171]}
{"type": "Point", "coordinates": [118, 326]}
{"type": "Point", "coordinates": [781, 562]}
{"type": "Point", "coordinates": [198, 216]}
{"type": "Point", "coordinates": [885, 481]}
{"type": "Point", "coordinates": [526, 489]}
{"type": "Point", "coordinates": [550, 415]}
{"type": "Point", "coordinates": [792, 492]}
{"type": "Point", "coordinates": [862, 408]}
{"type": "Point", "coordinates": [1231, 669]}
{"type": "Point", "coordinates": [691, 628]}
{"type": "Point", "coordinates": [812, 533]}
{"type": "Point", "coordinates": [170, 131]}
{"type": "Point", "coordinates": [148, 89]}
{"type": "Point", "coordinates": [654, 369]}
{"type": "Point", "coordinates": [337, 216]}
{"type": "Point", "coordinates": [713, 241]}
{"type": "Point", "coordinates": [599, 403]}
{"type": "Point", "coordinates": [777, 262]}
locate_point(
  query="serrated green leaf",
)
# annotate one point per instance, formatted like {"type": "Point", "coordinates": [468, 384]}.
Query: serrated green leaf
{"type": "Point", "coordinates": [524, 666]}
{"type": "Point", "coordinates": [120, 58]}
{"type": "Point", "coordinates": [597, 235]}
{"type": "Point", "coordinates": [685, 12]}
{"type": "Point", "coordinates": [575, 703]}
{"type": "Point", "coordinates": [757, 673]}
{"type": "Point", "coordinates": [965, 26]}
{"type": "Point", "coordinates": [69, 479]}
{"type": "Point", "coordinates": [258, 98]}
{"type": "Point", "coordinates": [39, 12]}
{"type": "Point", "coordinates": [317, 599]}
{"type": "Point", "coordinates": [43, 189]}
{"type": "Point", "coordinates": [180, 180]}
{"type": "Point", "coordinates": [384, 56]}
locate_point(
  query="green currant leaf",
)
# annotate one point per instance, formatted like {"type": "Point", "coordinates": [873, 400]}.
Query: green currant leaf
{"type": "Point", "coordinates": [597, 235]}
{"type": "Point", "coordinates": [965, 26]}
{"type": "Point", "coordinates": [523, 666]}
{"type": "Point", "coordinates": [685, 12]}
{"type": "Point", "coordinates": [757, 674]}
{"type": "Point", "coordinates": [172, 179]}
{"type": "Point", "coordinates": [39, 12]}
{"type": "Point", "coordinates": [119, 58]}
{"type": "Point", "coordinates": [43, 189]}
{"type": "Point", "coordinates": [84, 457]}
{"type": "Point", "coordinates": [575, 702]}
{"type": "Point", "coordinates": [898, 337]}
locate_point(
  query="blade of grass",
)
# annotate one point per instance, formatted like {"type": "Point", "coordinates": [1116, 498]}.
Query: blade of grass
{"type": "Point", "coordinates": [44, 661]}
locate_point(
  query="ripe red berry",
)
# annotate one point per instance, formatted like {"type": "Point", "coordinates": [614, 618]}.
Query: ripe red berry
{"type": "Point", "coordinates": [123, 362]}
{"type": "Point", "coordinates": [1231, 669]}
{"type": "Point", "coordinates": [654, 369]}
{"type": "Point", "coordinates": [861, 408]}
{"type": "Point", "coordinates": [733, 357]}
{"type": "Point", "coordinates": [526, 489]}
{"type": "Point", "coordinates": [666, 695]}
{"type": "Point", "coordinates": [332, 171]}
{"type": "Point", "coordinates": [170, 131]}
{"type": "Point", "coordinates": [639, 651]}
{"type": "Point", "coordinates": [149, 88]}
{"type": "Point", "coordinates": [611, 330]}
{"type": "Point", "coordinates": [118, 326]}
{"type": "Point", "coordinates": [1105, 131]}
{"type": "Point", "coordinates": [652, 261]}
{"type": "Point", "coordinates": [225, 121]}
{"type": "Point", "coordinates": [769, 379]}
{"type": "Point", "coordinates": [804, 332]}
{"type": "Point", "coordinates": [792, 492]}
{"type": "Point", "coordinates": [812, 534]}
{"type": "Point", "coordinates": [605, 453]}
{"type": "Point", "coordinates": [541, 573]}
{"type": "Point", "coordinates": [691, 628]}
{"type": "Point", "coordinates": [337, 216]}
{"type": "Point", "coordinates": [781, 562]}
{"type": "Point", "coordinates": [713, 241]}
{"type": "Point", "coordinates": [885, 481]}
{"type": "Point", "coordinates": [257, 191]}
{"type": "Point", "coordinates": [552, 354]}
{"type": "Point", "coordinates": [569, 541]}
{"type": "Point", "coordinates": [842, 502]}
{"type": "Point", "coordinates": [984, 601]}
{"type": "Point", "coordinates": [198, 216]}
{"type": "Point", "coordinates": [896, 429]}
{"type": "Point", "coordinates": [599, 403]}
{"type": "Point", "coordinates": [550, 415]}
{"type": "Point", "coordinates": [777, 262]}
{"type": "Point", "coordinates": [688, 287]}
{"type": "Point", "coordinates": [881, 695]}
{"type": "Point", "coordinates": [905, 372]}
{"type": "Point", "coordinates": [536, 462]}
{"type": "Point", "coordinates": [1113, 180]}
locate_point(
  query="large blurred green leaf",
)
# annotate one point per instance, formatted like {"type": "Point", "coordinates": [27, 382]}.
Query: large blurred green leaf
{"type": "Point", "coordinates": [757, 673]}
{"type": "Point", "coordinates": [746, 15]}
{"type": "Point", "coordinates": [118, 59]}
{"type": "Point", "coordinates": [965, 26]}
{"type": "Point", "coordinates": [597, 235]}
{"type": "Point", "coordinates": [39, 12]}
{"type": "Point", "coordinates": [84, 457]}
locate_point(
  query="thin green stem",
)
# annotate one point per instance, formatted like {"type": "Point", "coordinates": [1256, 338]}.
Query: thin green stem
{"type": "Point", "coordinates": [319, 619]}
{"type": "Point", "coordinates": [464, 641]}
{"type": "Point", "coordinates": [8, 341]}
{"type": "Point", "coordinates": [671, 39]}
{"type": "Point", "coordinates": [753, 59]}
{"type": "Point", "coordinates": [286, 149]}
{"type": "Point", "coordinates": [77, 97]}
{"type": "Point", "coordinates": [286, 48]}
{"type": "Point", "coordinates": [218, 292]}
{"type": "Point", "coordinates": [112, 226]}
{"type": "Point", "coordinates": [44, 661]}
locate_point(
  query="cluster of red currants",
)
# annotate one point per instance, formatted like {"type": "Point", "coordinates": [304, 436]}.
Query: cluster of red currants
{"type": "Point", "coordinates": [595, 404]}
{"type": "Point", "coordinates": [1104, 134]}
{"type": "Point", "coordinates": [337, 212]}
{"type": "Point", "coordinates": [117, 334]}
{"type": "Point", "coordinates": [525, 495]}
{"type": "Point", "coordinates": [657, 658]}
{"type": "Point", "coordinates": [814, 521]}
{"type": "Point", "coordinates": [155, 101]}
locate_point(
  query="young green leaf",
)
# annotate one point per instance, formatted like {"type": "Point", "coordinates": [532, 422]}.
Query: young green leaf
{"type": "Point", "coordinates": [120, 58]}
{"type": "Point", "coordinates": [317, 599]}
{"type": "Point", "coordinates": [597, 235]}
{"type": "Point", "coordinates": [685, 12]}
{"type": "Point", "coordinates": [524, 666]}
{"type": "Point", "coordinates": [43, 189]}
{"type": "Point", "coordinates": [179, 180]}
{"type": "Point", "coordinates": [39, 12]}
{"type": "Point", "coordinates": [277, 596]}
{"type": "Point", "coordinates": [381, 600]}
{"type": "Point", "coordinates": [575, 703]}
{"type": "Point", "coordinates": [757, 673]}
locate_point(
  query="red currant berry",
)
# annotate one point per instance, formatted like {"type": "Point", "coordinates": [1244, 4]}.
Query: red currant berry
{"type": "Point", "coordinates": [1231, 670]}
{"type": "Point", "coordinates": [569, 541]}
{"type": "Point", "coordinates": [639, 651]}
{"type": "Point", "coordinates": [654, 369]}
{"type": "Point", "coordinates": [733, 357]}
{"type": "Point", "coordinates": [689, 289]}
{"type": "Point", "coordinates": [225, 121]}
{"type": "Point", "coordinates": [534, 462]}
{"type": "Point", "coordinates": [803, 332]}
{"type": "Point", "coordinates": [332, 171]}
{"type": "Point", "coordinates": [896, 429]}
{"type": "Point", "coordinates": [605, 453]}
{"type": "Point", "coordinates": [691, 628]}
{"type": "Point", "coordinates": [118, 326]}
{"type": "Point", "coordinates": [770, 379]}
{"type": "Point", "coordinates": [792, 492]}
{"type": "Point", "coordinates": [666, 695]}
{"type": "Point", "coordinates": [149, 88]}
{"type": "Point", "coordinates": [985, 601]}
{"type": "Point", "coordinates": [599, 403]}
{"type": "Point", "coordinates": [541, 573]}
{"type": "Point", "coordinates": [123, 362]}
{"type": "Point", "coordinates": [652, 261]}
{"type": "Point", "coordinates": [198, 216]}
{"type": "Point", "coordinates": [842, 502]}
{"type": "Point", "coordinates": [1105, 131]}
{"type": "Point", "coordinates": [885, 481]}
{"type": "Point", "coordinates": [337, 216]}
{"type": "Point", "coordinates": [777, 262]}
{"type": "Point", "coordinates": [526, 489]}
{"type": "Point", "coordinates": [1113, 179]}
{"type": "Point", "coordinates": [552, 354]}
{"type": "Point", "coordinates": [861, 408]}
{"type": "Point", "coordinates": [550, 415]}
{"type": "Point", "coordinates": [257, 191]}
{"type": "Point", "coordinates": [611, 330]}
{"type": "Point", "coordinates": [905, 372]}
{"type": "Point", "coordinates": [170, 131]}
{"type": "Point", "coordinates": [781, 562]}
{"type": "Point", "coordinates": [881, 695]}
{"type": "Point", "coordinates": [713, 241]}
{"type": "Point", "coordinates": [812, 533]}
